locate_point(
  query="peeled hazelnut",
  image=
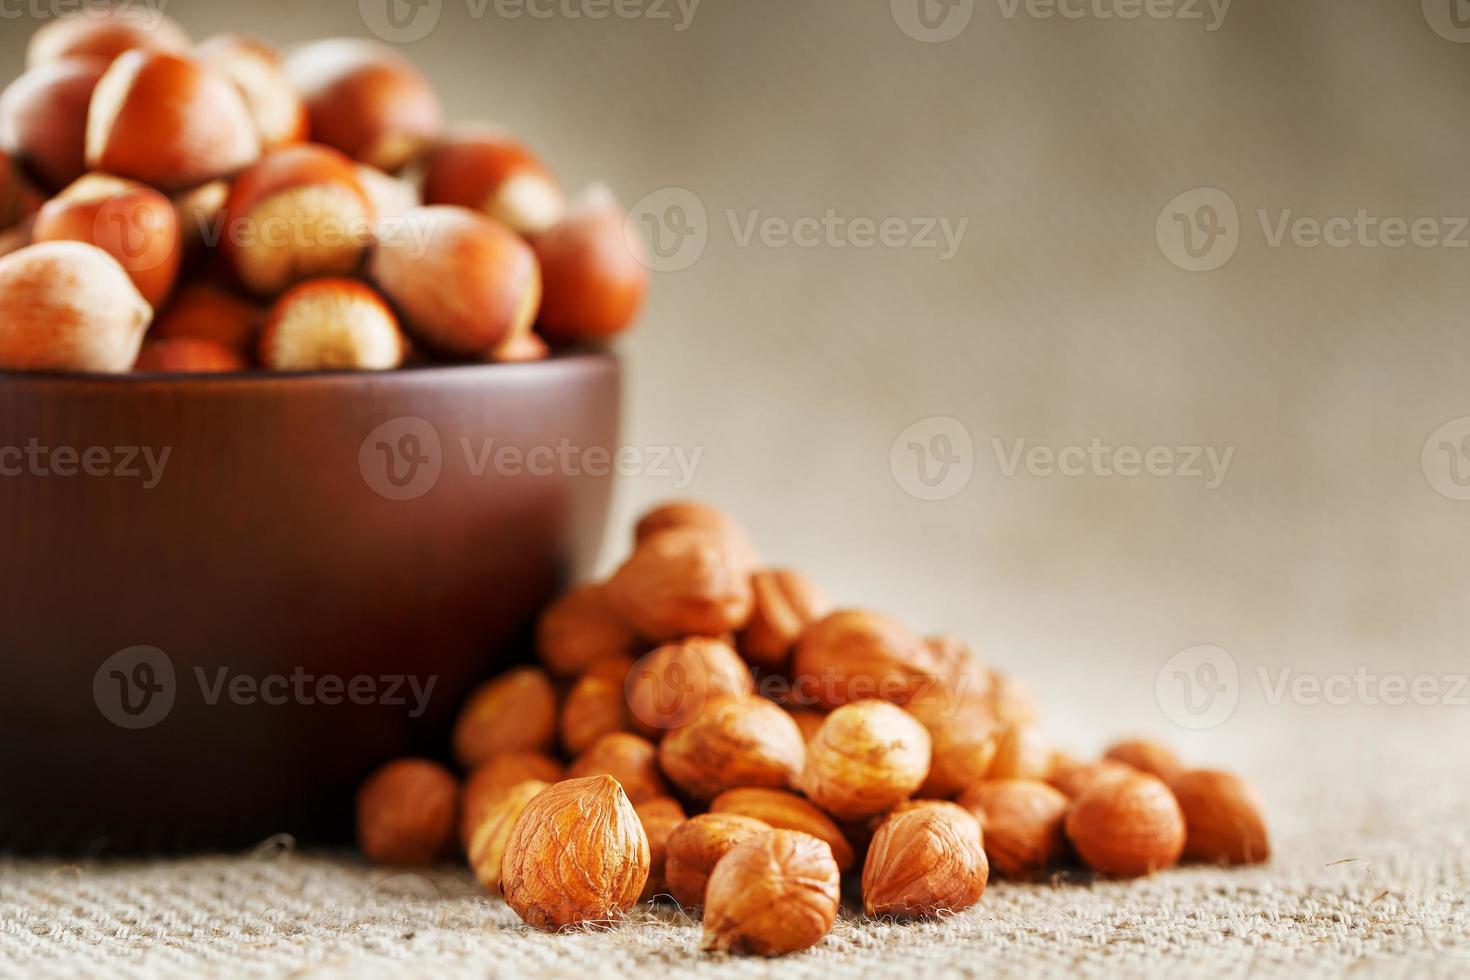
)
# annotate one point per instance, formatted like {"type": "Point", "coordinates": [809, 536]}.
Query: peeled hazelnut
{"type": "Point", "coordinates": [674, 684]}
{"type": "Point", "coordinates": [683, 582]}
{"type": "Point", "coordinates": [696, 846]}
{"type": "Point", "coordinates": [688, 513]}
{"type": "Point", "coordinates": [487, 840]}
{"type": "Point", "coordinates": [187, 355]}
{"type": "Point", "coordinates": [734, 742]}
{"type": "Point", "coordinates": [786, 603]}
{"type": "Point", "coordinates": [1010, 700]}
{"type": "Point", "coordinates": [465, 283]}
{"type": "Point", "coordinates": [660, 816]}
{"type": "Point", "coordinates": [1148, 756]}
{"type": "Point", "coordinates": [784, 810]}
{"type": "Point", "coordinates": [406, 813]}
{"type": "Point", "coordinates": [966, 740]}
{"type": "Point", "coordinates": [1073, 777]}
{"type": "Point", "coordinates": [491, 172]}
{"type": "Point", "coordinates": [514, 712]}
{"type": "Point", "coordinates": [631, 760]}
{"type": "Point", "coordinates": [596, 705]}
{"type": "Point", "coordinates": [200, 212]}
{"type": "Point", "coordinates": [808, 721]}
{"type": "Point", "coordinates": [866, 758]}
{"type": "Point", "coordinates": [68, 306]}
{"type": "Point", "coordinates": [43, 118]}
{"type": "Point", "coordinates": [331, 325]}
{"type": "Point", "coordinates": [297, 214]}
{"type": "Point", "coordinates": [925, 858]}
{"type": "Point", "coordinates": [255, 68]}
{"type": "Point", "coordinates": [581, 629]}
{"type": "Point", "coordinates": [1127, 827]}
{"type": "Point", "coordinates": [577, 854]}
{"type": "Point", "coordinates": [168, 121]}
{"type": "Point", "coordinates": [1022, 820]}
{"type": "Point", "coordinates": [963, 676]}
{"type": "Point", "coordinates": [1021, 752]}
{"type": "Point", "coordinates": [776, 893]}
{"type": "Point", "coordinates": [200, 311]}
{"type": "Point", "coordinates": [594, 280]}
{"type": "Point", "coordinates": [488, 784]}
{"type": "Point", "coordinates": [105, 34]}
{"type": "Point", "coordinates": [1224, 815]}
{"type": "Point", "coordinates": [134, 224]}
{"type": "Point", "coordinates": [852, 655]}
{"type": "Point", "coordinates": [366, 100]}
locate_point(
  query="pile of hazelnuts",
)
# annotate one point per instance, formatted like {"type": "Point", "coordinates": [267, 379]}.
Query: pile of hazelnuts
{"type": "Point", "coordinates": [175, 207]}
{"type": "Point", "coordinates": [704, 729]}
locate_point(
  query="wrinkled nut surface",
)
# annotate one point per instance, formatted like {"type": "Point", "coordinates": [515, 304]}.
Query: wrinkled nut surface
{"type": "Point", "coordinates": [581, 629]}
{"type": "Point", "coordinates": [406, 813]}
{"type": "Point", "coordinates": [784, 810]}
{"type": "Point", "coordinates": [1148, 756]}
{"type": "Point", "coordinates": [1225, 817]}
{"type": "Point", "coordinates": [775, 893]}
{"type": "Point", "coordinates": [854, 655]}
{"type": "Point", "coordinates": [866, 758]}
{"type": "Point", "coordinates": [1021, 752]}
{"type": "Point", "coordinates": [514, 712]}
{"type": "Point", "coordinates": [674, 684]}
{"type": "Point", "coordinates": [489, 783]}
{"type": "Point", "coordinates": [733, 743]}
{"type": "Point", "coordinates": [925, 858]}
{"type": "Point", "coordinates": [684, 581]}
{"type": "Point", "coordinates": [596, 705]}
{"type": "Point", "coordinates": [1011, 701]}
{"type": "Point", "coordinates": [1022, 823]}
{"type": "Point", "coordinates": [786, 603]}
{"type": "Point", "coordinates": [1128, 826]}
{"type": "Point", "coordinates": [628, 758]}
{"type": "Point", "coordinates": [577, 854]}
{"type": "Point", "coordinates": [696, 845]}
{"type": "Point", "coordinates": [486, 848]}
{"type": "Point", "coordinates": [965, 742]}
{"type": "Point", "coordinates": [659, 816]}
{"type": "Point", "coordinates": [965, 677]}
{"type": "Point", "coordinates": [689, 514]}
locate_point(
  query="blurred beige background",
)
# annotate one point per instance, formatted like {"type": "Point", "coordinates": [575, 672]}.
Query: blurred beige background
{"type": "Point", "coordinates": [1061, 317]}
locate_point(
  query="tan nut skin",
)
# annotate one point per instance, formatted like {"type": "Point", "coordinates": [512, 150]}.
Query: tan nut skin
{"type": "Point", "coordinates": [675, 683]}
{"type": "Point", "coordinates": [488, 838]}
{"type": "Point", "coordinates": [489, 783]}
{"type": "Point", "coordinates": [660, 816]}
{"type": "Point", "coordinates": [490, 171]}
{"type": "Point", "coordinates": [965, 742]}
{"type": "Point", "coordinates": [43, 118]}
{"type": "Point", "coordinates": [514, 712]}
{"type": "Point", "coordinates": [1127, 827]}
{"type": "Point", "coordinates": [596, 705]}
{"type": "Point", "coordinates": [853, 655]}
{"type": "Point", "coordinates": [785, 810]}
{"type": "Point", "coordinates": [683, 582]}
{"type": "Point", "coordinates": [734, 742]}
{"type": "Point", "coordinates": [774, 894]}
{"type": "Point", "coordinates": [595, 274]}
{"type": "Point", "coordinates": [1148, 756]}
{"type": "Point", "coordinates": [786, 603]}
{"type": "Point", "coordinates": [204, 311]}
{"type": "Point", "coordinates": [1021, 752]}
{"type": "Point", "coordinates": [577, 854]}
{"type": "Point", "coordinates": [1072, 776]}
{"type": "Point", "coordinates": [255, 68]}
{"type": "Point", "coordinates": [696, 845]}
{"type": "Point", "coordinates": [1022, 820]}
{"type": "Point", "coordinates": [580, 629]}
{"type": "Point", "coordinates": [926, 858]}
{"type": "Point", "coordinates": [1225, 817]}
{"type": "Point", "coordinates": [866, 758]}
{"type": "Point", "coordinates": [187, 355]}
{"type": "Point", "coordinates": [631, 760]}
{"type": "Point", "coordinates": [686, 513]}
{"type": "Point", "coordinates": [406, 813]}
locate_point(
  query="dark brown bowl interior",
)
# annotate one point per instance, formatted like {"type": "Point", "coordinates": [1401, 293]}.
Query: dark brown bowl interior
{"type": "Point", "coordinates": [295, 589]}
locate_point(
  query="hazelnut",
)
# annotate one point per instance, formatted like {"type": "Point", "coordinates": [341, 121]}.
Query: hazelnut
{"type": "Point", "coordinates": [491, 781]}
{"type": "Point", "coordinates": [674, 684]}
{"type": "Point", "coordinates": [853, 655]}
{"type": "Point", "coordinates": [594, 274]}
{"type": "Point", "coordinates": [808, 721]}
{"type": "Point", "coordinates": [187, 355]}
{"type": "Point", "coordinates": [580, 629]}
{"type": "Point", "coordinates": [596, 705]}
{"type": "Point", "coordinates": [659, 816]}
{"type": "Point", "coordinates": [205, 312]}
{"type": "Point", "coordinates": [577, 854]}
{"type": "Point", "coordinates": [631, 760]}
{"type": "Point", "coordinates": [786, 603]}
{"type": "Point", "coordinates": [696, 845]}
{"type": "Point", "coordinates": [105, 34]}
{"type": "Point", "coordinates": [1072, 777]}
{"type": "Point", "coordinates": [787, 811]}
{"type": "Point", "coordinates": [734, 742]}
{"type": "Point", "coordinates": [199, 212]}
{"type": "Point", "coordinates": [1148, 756]}
{"type": "Point", "coordinates": [867, 757]}
{"type": "Point", "coordinates": [925, 858]}
{"type": "Point", "coordinates": [489, 171]}
{"type": "Point", "coordinates": [43, 118]}
{"type": "Point", "coordinates": [696, 514]}
{"type": "Point", "coordinates": [255, 68]}
{"type": "Point", "coordinates": [965, 740]}
{"type": "Point", "coordinates": [514, 712]}
{"type": "Point", "coordinates": [331, 325]}
{"type": "Point", "coordinates": [963, 676]}
{"type": "Point", "coordinates": [366, 100]}
{"type": "Point", "coordinates": [69, 306]}
{"type": "Point", "coordinates": [406, 813]}
{"type": "Point", "coordinates": [392, 197]}
{"type": "Point", "coordinates": [1022, 821]}
{"type": "Point", "coordinates": [522, 349]}
{"type": "Point", "coordinates": [1011, 701]}
{"type": "Point", "coordinates": [134, 224]}
{"type": "Point", "coordinates": [683, 582]}
{"type": "Point", "coordinates": [775, 893]}
{"type": "Point", "coordinates": [168, 121]}
{"type": "Point", "coordinates": [1128, 826]}
{"type": "Point", "coordinates": [1224, 815]}
{"type": "Point", "coordinates": [486, 842]}
{"type": "Point", "coordinates": [1021, 752]}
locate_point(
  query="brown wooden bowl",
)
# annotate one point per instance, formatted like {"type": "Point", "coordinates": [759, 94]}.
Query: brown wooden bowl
{"type": "Point", "coordinates": [217, 645]}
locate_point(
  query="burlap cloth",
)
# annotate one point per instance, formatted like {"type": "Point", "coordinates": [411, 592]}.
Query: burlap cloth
{"type": "Point", "coordinates": [1371, 875]}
